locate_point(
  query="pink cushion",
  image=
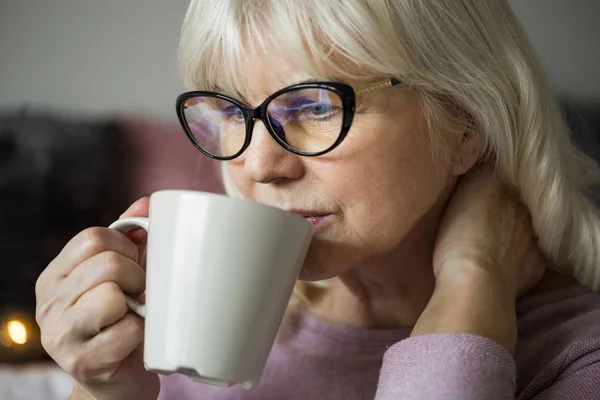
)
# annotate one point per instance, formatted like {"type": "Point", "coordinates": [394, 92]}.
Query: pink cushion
{"type": "Point", "coordinates": [164, 158]}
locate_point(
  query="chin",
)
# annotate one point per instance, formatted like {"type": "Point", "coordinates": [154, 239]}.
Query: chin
{"type": "Point", "coordinates": [311, 274]}
{"type": "Point", "coordinates": [318, 267]}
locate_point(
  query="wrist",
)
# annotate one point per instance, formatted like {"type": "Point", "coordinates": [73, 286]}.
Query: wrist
{"type": "Point", "coordinates": [471, 301]}
{"type": "Point", "coordinates": [475, 274]}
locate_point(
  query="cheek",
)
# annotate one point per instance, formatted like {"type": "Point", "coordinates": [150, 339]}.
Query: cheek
{"type": "Point", "coordinates": [383, 191]}
{"type": "Point", "coordinates": [234, 179]}
{"type": "Point", "coordinates": [377, 215]}
{"type": "Point", "coordinates": [400, 177]}
{"type": "Point", "coordinates": [388, 204]}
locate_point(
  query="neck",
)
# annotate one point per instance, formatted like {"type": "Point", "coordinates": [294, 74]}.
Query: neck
{"type": "Point", "coordinates": [390, 291]}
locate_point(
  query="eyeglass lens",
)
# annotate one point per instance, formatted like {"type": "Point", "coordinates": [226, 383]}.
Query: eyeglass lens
{"type": "Point", "coordinates": [308, 120]}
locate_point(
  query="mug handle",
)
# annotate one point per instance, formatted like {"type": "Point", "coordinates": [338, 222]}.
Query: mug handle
{"type": "Point", "coordinates": [125, 225]}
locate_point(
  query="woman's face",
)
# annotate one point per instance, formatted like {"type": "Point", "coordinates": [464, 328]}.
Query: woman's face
{"type": "Point", "coordinates": [369, 192]}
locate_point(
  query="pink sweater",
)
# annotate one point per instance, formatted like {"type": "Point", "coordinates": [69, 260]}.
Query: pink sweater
{"type": "Point", "coordinates": [557, 357]}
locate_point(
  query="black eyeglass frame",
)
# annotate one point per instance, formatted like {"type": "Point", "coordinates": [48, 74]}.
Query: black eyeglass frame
{"type": "Point", "coordinates": [346, 93]}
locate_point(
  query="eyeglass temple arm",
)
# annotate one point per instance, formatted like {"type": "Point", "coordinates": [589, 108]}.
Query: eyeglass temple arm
{"type": "Point", "coordinates": [372, 87]}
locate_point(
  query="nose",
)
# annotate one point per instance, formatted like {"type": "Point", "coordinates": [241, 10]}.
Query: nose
{"type": "Point", "coordinates": [266, 161]}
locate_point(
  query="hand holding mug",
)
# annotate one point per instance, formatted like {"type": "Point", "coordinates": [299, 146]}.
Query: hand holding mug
{"type": "Point", "coordinates": [220, 272]}
{"type": "Point", "coordinates": [85, 324]}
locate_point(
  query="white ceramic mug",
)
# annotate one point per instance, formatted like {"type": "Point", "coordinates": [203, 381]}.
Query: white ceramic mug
{"type": "Point", "coordinates": [219, 275]}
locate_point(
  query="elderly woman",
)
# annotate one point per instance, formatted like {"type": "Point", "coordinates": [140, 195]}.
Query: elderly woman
{"type": "Point", "coordinates": [455, 254]}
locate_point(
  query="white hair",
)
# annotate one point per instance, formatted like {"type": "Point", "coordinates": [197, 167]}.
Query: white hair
{"type": "Point", "coordinates": [472, 65]}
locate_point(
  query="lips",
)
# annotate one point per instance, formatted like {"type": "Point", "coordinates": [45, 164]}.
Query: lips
{"type": "Point", "coordinates": [316, 220]}
{"type": "Point", "coordinates": [314, 217]}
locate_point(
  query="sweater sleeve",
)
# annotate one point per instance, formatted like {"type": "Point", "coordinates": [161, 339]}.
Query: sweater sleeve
{"type": "Point", "coordinates": [447, 366]}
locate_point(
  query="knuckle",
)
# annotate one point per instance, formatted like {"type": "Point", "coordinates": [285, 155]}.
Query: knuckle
{"type": "Point", "coordinates": [131, 248]}
{"type": "Point", "coordinates": [134, 325]}
{"type": "Point", "coordinates": [95, 240]}
{"type": "Point", "coordinates": [41, 312]}
{"type": "Point", "coordinates": [113, 263]}
{"type": "Point", "coordinates": [55, 341]}
{"type": "Point", "coordinates": [95, 233]}
{"type": "Point", "coordinates": [112, 296]}
{"type": "Point", "coordinates": [44, 306]}
{"type": "Point", "coordinates": [79, 366]}
{"type": "Point", "coordinates": [98, 305]}
{"type": "Point", "coordinates": [112, 290]}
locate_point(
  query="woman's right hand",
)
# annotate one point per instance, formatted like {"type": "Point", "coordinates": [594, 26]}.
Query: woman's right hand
{"type": "Point", "coordinates": [85, 324]}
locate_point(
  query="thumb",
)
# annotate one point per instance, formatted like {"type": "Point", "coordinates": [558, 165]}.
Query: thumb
{"type": "Point", "coordinates": [140, 208]}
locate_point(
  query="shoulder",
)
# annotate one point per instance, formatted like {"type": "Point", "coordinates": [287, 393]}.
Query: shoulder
{"type": "Point", "coordinates": [559, 307]}
{"type": "Point", "coordinates": [559, 335]}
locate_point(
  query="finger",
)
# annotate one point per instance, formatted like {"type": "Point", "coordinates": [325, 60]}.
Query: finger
{"type": "Point", "coordinates": [96, 309]}
{"type": "Point", "coordinates": [139, 208]}
{"type": "Point", "coordinates": [105, 351]}
{"type": "Point", "coordinates": [114, 343]}
{"type": "Point", "coordinates": [108, 266]}
{"type": "Point", "coordinates": [88, 244]}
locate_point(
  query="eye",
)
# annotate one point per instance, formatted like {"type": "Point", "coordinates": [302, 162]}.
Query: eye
{"type": "Point", "coordinates": [233, 112]}
{"type": "Point", "coordinates": [311, 109]}
{"type": "Point", "coordinates": [318, 109]}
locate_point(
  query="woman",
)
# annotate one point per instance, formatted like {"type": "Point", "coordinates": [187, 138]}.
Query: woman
{"type": "Point", "coordinates": [420, 129]}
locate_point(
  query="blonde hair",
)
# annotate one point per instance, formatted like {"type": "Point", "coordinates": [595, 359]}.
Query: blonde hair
{"type": "Point", "coordinates": [472, 65]}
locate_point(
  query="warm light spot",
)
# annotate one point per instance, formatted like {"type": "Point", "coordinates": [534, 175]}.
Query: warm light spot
{"type": "Point", "coordinates": [17, 332]}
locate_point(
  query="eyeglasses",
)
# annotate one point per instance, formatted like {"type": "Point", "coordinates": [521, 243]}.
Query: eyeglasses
{"type": "Point", "coordinates": [309, 119]}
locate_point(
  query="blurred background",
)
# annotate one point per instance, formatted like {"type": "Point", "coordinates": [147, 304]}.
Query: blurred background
{"type": "Point", "coordinates": [87, 126]}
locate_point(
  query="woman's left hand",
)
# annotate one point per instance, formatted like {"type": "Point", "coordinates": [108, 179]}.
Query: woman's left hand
{"type": "Point", "coordinates": [485, 256]}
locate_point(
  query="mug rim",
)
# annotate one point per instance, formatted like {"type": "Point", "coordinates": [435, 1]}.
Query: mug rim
{"type": "Point", "coordinates": [226, 198]}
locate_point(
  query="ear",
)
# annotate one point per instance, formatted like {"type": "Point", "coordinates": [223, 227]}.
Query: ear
{"type": "Point", "coordinates": [468, 154]}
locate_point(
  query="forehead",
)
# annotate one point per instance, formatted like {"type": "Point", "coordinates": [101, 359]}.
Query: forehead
{"type": "Point", "coordinates": [255, 47]}
{"type": "Point", "coordinates": [265, 75]}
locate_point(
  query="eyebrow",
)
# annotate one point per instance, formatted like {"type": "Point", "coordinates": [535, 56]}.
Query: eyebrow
{"type": "Point", "coordinates": [219, 89]}
{"type": "Point", "coordinates": [312, 80]}
{"type": "Point", "coordinates": [365, 88]}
